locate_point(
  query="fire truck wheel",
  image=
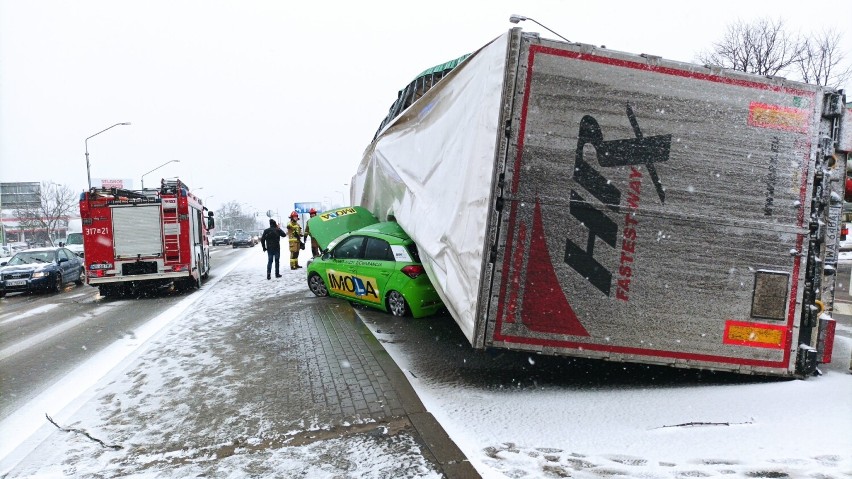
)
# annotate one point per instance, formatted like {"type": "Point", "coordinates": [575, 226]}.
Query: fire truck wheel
{"type": "Point", "coordinates": [206, 272]}
{"type": "Point", "coordinates": [107, 291]}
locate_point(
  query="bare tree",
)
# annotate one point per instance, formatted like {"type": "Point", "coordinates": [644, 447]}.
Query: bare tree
{"type": "Point", "coordinates": [41, 219]}
{"type": "Point", "coordinates": [232, 217]}
{"type": "Point", "coordinates": [762, 47]}
{"type": "Point", "coordinates": [822, 58]}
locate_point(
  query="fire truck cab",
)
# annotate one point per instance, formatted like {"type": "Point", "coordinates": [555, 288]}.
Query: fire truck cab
{"type": "Point", "coordinates": [145, 239]}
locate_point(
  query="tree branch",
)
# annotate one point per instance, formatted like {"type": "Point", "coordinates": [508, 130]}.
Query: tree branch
{"type": "Point", "coordinates": [114, 447]}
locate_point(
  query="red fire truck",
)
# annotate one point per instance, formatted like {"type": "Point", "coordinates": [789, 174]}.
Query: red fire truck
{"type": "Point", "coordinates": [145, 239]}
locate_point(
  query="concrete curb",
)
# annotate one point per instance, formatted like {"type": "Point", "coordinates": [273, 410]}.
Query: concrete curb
{"type": "Point", "coordinates": [444, 451]}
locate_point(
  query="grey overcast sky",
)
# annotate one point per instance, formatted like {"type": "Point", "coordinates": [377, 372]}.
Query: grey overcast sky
{"type": "Point", "coordinates": [272, 102]}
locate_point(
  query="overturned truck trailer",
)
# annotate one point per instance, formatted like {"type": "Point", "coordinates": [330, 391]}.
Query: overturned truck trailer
{"type": "Point", "coordinates": [579, 201]}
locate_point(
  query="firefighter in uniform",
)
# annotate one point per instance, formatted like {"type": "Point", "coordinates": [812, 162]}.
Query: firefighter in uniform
{"type": "Point", "coordinates": [314, 245]}
{"type": "Point", "coordinates": [294, 233]}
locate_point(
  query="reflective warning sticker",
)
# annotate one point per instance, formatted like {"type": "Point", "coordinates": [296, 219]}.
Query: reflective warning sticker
{"type": "Point", "coordinates": [754, 334]}
{"type": "Point", "coordinates": [777, 117]}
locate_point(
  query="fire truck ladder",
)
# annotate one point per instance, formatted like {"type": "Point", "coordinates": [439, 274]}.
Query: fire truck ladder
{"type": "Point", "coordinates": [171, 231]}
{"type": "Point", "coordinates": [170, 235]}
{"type": "Point", "coordinates": [171, 224]}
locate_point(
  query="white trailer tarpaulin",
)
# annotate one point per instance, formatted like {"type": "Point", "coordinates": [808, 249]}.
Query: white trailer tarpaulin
{"type": "Point", "coordinates": [457, 122]}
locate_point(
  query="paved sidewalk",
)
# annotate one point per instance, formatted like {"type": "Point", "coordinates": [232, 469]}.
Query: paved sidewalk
{"type": "Point", "coordinates": [345, 374]}
{"type": "Point", "coordinates": [254, 382]}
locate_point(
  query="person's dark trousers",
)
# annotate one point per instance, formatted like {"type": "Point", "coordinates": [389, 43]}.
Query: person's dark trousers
{"type": "Point", "coordinates": [276, 256]}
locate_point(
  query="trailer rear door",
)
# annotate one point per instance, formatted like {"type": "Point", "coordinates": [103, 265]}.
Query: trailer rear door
{"type": "Point", "coordinates": [655, 211]}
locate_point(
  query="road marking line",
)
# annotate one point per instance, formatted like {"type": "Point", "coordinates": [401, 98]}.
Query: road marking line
{"type": "Point", "coordinates": [23, 430]}
{"type": "Point", "coordinates": [843, 308]}
{"type": "Point", "coordinates": [32, 312]}
{"type": "Point", "coordinates": [49, 333]}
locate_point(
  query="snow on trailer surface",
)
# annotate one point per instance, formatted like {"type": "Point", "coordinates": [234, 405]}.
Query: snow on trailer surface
{"type": "Point", "coordinates": [615, 206]}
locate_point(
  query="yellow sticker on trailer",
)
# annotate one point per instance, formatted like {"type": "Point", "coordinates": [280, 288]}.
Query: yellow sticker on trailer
{"type": "Point", "coordinates": [754, 334]}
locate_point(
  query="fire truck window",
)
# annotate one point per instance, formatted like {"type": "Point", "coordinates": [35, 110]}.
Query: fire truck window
{"type": "Point", "coordinates": [196, 226]}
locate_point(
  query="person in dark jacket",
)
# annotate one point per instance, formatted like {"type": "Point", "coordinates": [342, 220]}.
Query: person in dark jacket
{"type": "Point", "coordinates": [271, 243]}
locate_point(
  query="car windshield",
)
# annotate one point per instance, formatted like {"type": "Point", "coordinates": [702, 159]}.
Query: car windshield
{"type": "Point", "coordinates": [74, 238]}
{"type": "Point", "coordinates": [221, 234]}
{"type": "Point", "coordinates": [29, 257]}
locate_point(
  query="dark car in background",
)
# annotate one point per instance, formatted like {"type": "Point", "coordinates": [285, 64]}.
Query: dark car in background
{"type": "Point", "coordinates": [221, 237]}
{"type": "Point", "coordinates": [241, 238]}
{"type": "Point", "coordinates": [40, 269]}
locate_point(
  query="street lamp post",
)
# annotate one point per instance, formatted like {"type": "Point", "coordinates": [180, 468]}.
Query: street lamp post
{"type": "Point", "coordinates": [88, 169]}
{"type": "Point", "coordinates": [521, 18]}
{"type": "Point", "coordinates": [142, 180]}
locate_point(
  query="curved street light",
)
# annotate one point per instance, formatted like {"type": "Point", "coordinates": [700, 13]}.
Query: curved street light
{"type": "Point", "coordinates": [88, 170]}
{"type": "Point", "coordinates": [521, 18]}
{"type": "Point", "coordinates": [142, 180]}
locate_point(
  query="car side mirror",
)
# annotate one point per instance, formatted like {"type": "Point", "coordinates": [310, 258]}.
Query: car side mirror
{"type": "Point", "coordinates": [62, 260]}
{"type": "Point", "coordinates": [326, 254]}
{"type": "Point", "coordinates": [4, 263]}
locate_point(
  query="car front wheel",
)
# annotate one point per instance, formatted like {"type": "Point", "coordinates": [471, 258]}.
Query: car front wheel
{"type": "Point", "coordinates": [316, 285]}
{"type": "Point", "coordinates": [57, 284]}
{"type": "Point", "coordinates": [396, 304]}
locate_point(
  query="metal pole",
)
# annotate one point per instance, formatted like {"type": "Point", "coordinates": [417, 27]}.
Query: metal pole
{"type": "Point", "coordinates": [88, 168]}
{"type": "Point", "coordinates": [520, 18]}
{"type": "Point", "coordinates": [142, 180]}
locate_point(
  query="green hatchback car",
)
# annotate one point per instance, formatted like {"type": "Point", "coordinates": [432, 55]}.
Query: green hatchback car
{"type": "Point", "coordinates": [375, 265]}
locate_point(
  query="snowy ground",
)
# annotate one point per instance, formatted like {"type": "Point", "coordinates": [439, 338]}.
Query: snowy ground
{"type": "Point", "coordinates": [637, 424]}
{"type": "Point", "coordinates": [175, 406]}
{"type": "Point", "coordinates": [507, 427]}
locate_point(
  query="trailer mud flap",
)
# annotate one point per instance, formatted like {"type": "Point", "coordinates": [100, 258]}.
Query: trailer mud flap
{"type": "Point", "coordinates": [807, 360]}
{"type": "Point", "coordinates": [825, 344]}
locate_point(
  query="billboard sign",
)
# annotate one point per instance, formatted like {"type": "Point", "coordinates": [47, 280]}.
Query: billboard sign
{"type": "Point", "coordinates": [304, 208]}
{"type": "Point", "coordinates": [20, 195]}
{"type": "Point", "coordinates": [123, 183]}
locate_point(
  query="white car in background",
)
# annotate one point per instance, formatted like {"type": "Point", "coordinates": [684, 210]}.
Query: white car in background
{"type": "Point", "coordinates": [221, 237]}
{"type": "Point", "coordinates": [74, 242]}
{"type": "Point", "coordinates": [5, 253]}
